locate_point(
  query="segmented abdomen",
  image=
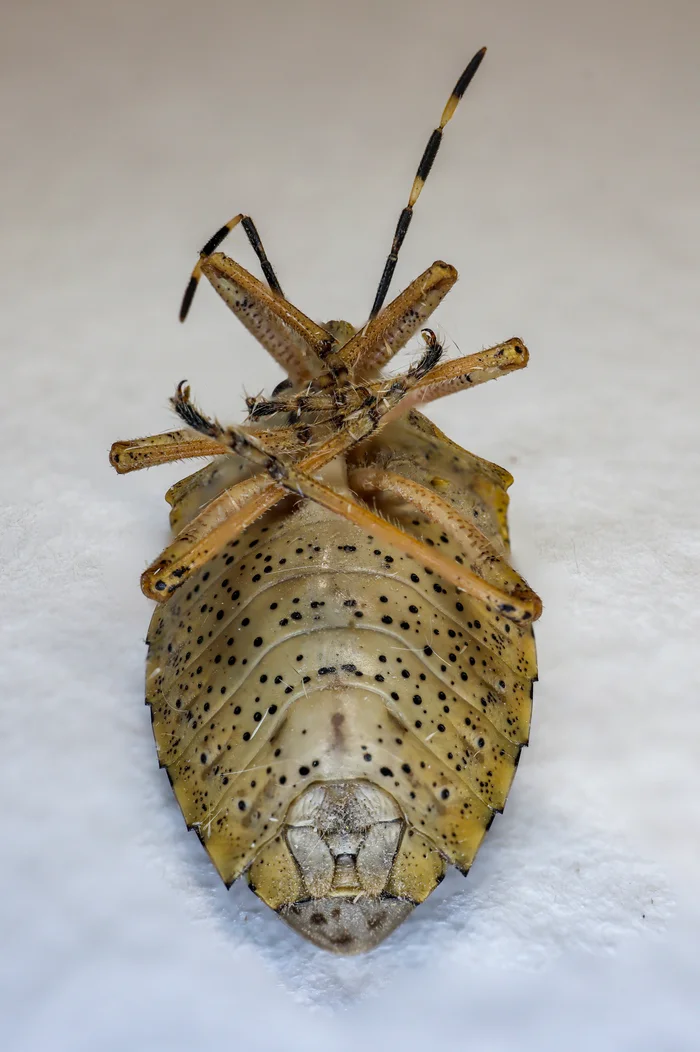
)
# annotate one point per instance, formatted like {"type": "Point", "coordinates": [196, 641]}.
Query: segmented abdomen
{"type": "Point", "coordinates": [307, 652]}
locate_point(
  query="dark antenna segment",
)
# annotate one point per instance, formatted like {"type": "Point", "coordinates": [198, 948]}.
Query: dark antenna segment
{"type": "Point", "coordinates": [419, 182]}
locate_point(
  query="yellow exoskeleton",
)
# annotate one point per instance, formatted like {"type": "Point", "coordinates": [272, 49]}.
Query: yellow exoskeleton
{"type": "Point", "coordinates": [340, 666]}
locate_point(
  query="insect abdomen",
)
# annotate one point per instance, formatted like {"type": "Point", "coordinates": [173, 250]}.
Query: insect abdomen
{"type": "Point", "coordinates": [307, 655]}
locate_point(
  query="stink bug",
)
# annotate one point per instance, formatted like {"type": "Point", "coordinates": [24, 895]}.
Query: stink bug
{"type": "Point", "coordinates": [341, 661]}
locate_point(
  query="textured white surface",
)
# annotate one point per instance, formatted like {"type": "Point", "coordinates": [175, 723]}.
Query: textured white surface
{"type": "Point", "coordinates": [566, 195]}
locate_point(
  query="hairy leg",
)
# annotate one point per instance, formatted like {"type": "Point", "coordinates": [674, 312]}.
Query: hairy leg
{"type": "Point", "coordinates": [138, 453]}
{"type": "Point", "coordinates": [297, 343]}
{"type": "Point", "coordinates": [511, 604]}
{"type": "Point", "coordinates": [469, 371]}
{"type": "Point", "coordinates": [221, 521]}
{"type": "Point", "coordinates": [148, 452]}
{"type": "Point", "coordinates": [228, 515]}
{"type": "Point", "coordinates": [384, 336]}
{"type": "Point", "coordinates": [485, 561]}
{"type": "Point", "coordinates": [436, 382]}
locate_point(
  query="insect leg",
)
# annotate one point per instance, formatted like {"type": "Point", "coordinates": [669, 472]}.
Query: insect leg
{"type": "Point", "coordinates": [185, 487]}
{"type": "Point", "coordinates": [239, 440]}
{"type": "Point", "coordinates": [522, 609]}
{"type": "Point", "coordinates": [228, 515]}
{"type": "Point", "coordinates": [485, 561]}
{"type": "Point", "coordinates": [190, 495]}
{"type": "Point", "coordinates": [424, 167]}
{"type": "Point", "coordinates": [221, 521]}
{"type": "Point", "coordinates": [252, 446]}
{"type": "Point", "coordinates": [138, 453]}
{"type": "Point", "coordinates": [295, 341]}
{"type": "Point", "coordinates": [469, 371]}
{"type": "Point", "coordinates": [352, 397]}
{"type": "Point", "coordinates": [212, 245]}
{"type": "Point", "coordinates": [305, 402]}
{"type": "Point", "coordinates": [285, 439]}
{"type": "Point", "coordinates": [147, 452]}
{"type": "Point", "coordinates": [384, 336]}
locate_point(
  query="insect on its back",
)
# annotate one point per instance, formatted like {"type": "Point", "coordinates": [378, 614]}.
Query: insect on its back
{"type": "Point", "coordinates": [340, 666]}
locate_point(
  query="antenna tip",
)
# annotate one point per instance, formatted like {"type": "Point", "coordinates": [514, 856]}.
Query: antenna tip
{"type": "Point", "coordinates": [462, 85]}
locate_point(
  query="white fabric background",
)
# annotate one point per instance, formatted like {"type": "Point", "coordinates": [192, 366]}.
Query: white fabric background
{"type": "Point", "coordinates": [566, 195]}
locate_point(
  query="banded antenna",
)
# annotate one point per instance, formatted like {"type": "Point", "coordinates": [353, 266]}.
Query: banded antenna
{"type": "Point", "coordinates": [419, 182]}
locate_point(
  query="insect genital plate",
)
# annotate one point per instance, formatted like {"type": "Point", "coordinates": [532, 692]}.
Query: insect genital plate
{"type": "Point", "coordinates": [340, 666]}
